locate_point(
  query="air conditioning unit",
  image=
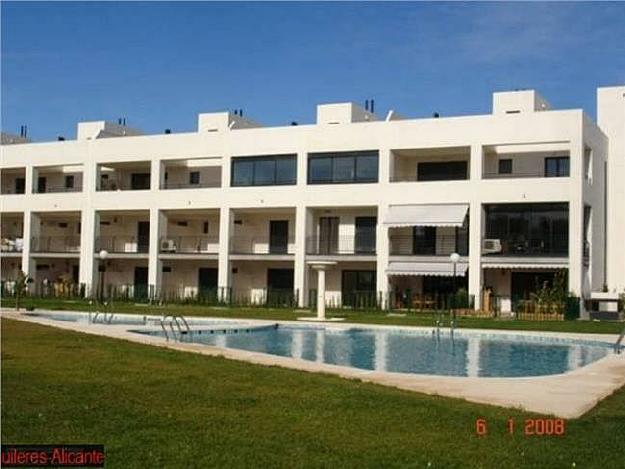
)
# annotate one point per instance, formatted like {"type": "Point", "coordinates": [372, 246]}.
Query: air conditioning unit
{"type": "Point", "coordinates": [168, 245]}
{"type": "Point", "coordinates": [491, 246]}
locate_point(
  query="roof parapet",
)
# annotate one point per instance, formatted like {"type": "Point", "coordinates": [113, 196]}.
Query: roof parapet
{"type": "Point", "coordinates": [521, 101]}
{"type": "Point", "coordinates": [222, 121]}
{"type": "Point", "coordinates": [103, 129]}
{"type": "Point", "coordinates": [343, 113]}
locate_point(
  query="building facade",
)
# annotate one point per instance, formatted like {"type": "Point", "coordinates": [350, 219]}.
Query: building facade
{"type": "Point", "coordinates": [381, 202]}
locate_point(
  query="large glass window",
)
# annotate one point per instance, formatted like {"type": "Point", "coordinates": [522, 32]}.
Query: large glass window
{"type": "Point", "coordinates": [264, 170]}
{"type": "Point", "coordinates": [442, 171]}
{"type": "Point", "coordinates": [343, 167]}
{"type": "Point", "coordinates": [557, 166]}
{"type": "Point", "coordinates": [529, 229]}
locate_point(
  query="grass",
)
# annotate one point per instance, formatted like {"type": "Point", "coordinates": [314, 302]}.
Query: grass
{"type": "Point", "coordinates": [362, 317]}
{"type": "Point", "coordinates": [153, 407]}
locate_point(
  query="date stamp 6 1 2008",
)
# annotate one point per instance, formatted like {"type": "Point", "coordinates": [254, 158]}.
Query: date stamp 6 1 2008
{"type": "Point", "coordinates": [527, 427]}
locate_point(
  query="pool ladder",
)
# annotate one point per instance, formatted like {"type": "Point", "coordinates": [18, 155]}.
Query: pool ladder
{"type": "Point", "coordinates": [180, 323]}
{"type": "Point", "coordinates": [617, 345]}
{"type": "Point", "coordinates": [439, 322]}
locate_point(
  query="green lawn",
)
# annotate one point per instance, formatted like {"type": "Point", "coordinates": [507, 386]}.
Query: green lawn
{"type": "Point", "coordinates": [152, 407]}
{"type": "Point", "coordinates": [363, 317]}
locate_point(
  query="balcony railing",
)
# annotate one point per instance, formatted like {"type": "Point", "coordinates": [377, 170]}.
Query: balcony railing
{"type": "Point", "coordinates": [8, 189]}
{"type": "Point", "coordinates": [123, 244]}
{"type": "Point", "coordinates": [189, 245]}
{"type": "Point", "coordinates": [407, 245]}
{"type": "Point", "coordinates": [56, 189]}
{"type": "Point", "coordinates": [55, 244]}
{"type": "Point", "coordinates": [12, 244]}
{"type": "Point", "coordinates": [341, 245]}
{"type": "Point", "coordinates": [122, 186]}
{"type": "Point", "coordinates": [185, 185]}
{"type": "Point", "coordinates": [556, 246]}
{"type": "Point", "coordinates": [261, 245]}
{"type": "Point", "coordinates": [538, 173]}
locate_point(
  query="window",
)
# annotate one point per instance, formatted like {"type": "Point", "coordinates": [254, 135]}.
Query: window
{"type": "Point", "coordinates": [205, 227]}
{"type": "Point", "coordinates": [424, 240]}
{"type": "Point", "coordinates": [442, 171]}
{"type": "Point", "coordinates": [557, 166]}
{"type": "Point", "coordinates": [20, 185]}
{"type": "Point", "coordinates": [69, 182]}
{"type": "Point", "coordinates": [41, 184]}
{"type": "Point", "coordinates": [505, 166]}
{"type": "Point", "coordinates": [194, 177]}
{"type": "Point", "coordinates": [140, 181]}
{"type": "Point", "coordinates": [264, 170]}
{"type": "Point", "coordinates": [345, 167]}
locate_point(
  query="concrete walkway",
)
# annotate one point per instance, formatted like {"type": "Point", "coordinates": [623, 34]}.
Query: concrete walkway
{"type": "Point", "coordinates": [568, 395]}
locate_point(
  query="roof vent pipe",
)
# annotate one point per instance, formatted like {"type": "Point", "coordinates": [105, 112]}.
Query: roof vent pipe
{"type": "Point", "coordinates": [372, 104]}
{"type": "Point", "coordinates": [366, 104]}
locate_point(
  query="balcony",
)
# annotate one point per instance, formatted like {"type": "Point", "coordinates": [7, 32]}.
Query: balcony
{"type": "Point", "coordinates": [123, 244]}
{"type": "Point", "coordinates": [441, 245]}
{"type": "Point", "coordinates": [57, 179]}
{"type": "Point", "coordinates": [262, 245]}
{"type": "Point", "coordinates": [134, 176]}
{"type": "Point", "coordinates": [554, 246]}
{"type": "Point", "coordinates": [526, 161]}
{"type": "Point", "coordinates": [431, 164]}
{"type": "Point", "coordinates": [189, 245]}
{"type": "Point", "coordinates": [196, 173]}
{"type": "Point", "coordinates": [56, 244]}
{"type": "Point", "coordinates": [341, 245]}
{"type": "Point", "coordinates": [13, 181]}
{"type": "Point", "coordinates": [11, 244]}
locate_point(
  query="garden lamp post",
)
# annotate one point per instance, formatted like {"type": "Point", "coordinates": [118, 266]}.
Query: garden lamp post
{"type": "Point", "coordinates": [103, 254]}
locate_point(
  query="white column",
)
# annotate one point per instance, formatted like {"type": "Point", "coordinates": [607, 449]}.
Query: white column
{"type": "Point", "coordinates": [89, 224]}
{"type": "Point", "coordinates": [303, 222]}
{"type": "Point", "coordinates": [155, 266]}
{"type": "Point", "coordinates": [226, 220]}
{"type": "Point", "coordinates": [29, 182]}
{"type": "Point", "coordinates": [576, 220]}
{"type": "Point", "coordinates": [321, 294]}
{"type": "Point", "coordinates": [475, 228]}
{"type": "Point", "coordinates": [382, 257]}
{"type": "Point", "coordinates": [30, 229]}
{"type": "Point", "coordinates": [155, 175]}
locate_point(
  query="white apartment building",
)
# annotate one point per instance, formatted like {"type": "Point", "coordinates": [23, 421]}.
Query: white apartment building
{"type": "Point", "coordinates": [377, 203]}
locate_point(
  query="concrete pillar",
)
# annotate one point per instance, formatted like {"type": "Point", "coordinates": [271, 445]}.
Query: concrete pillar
{"type": "Point", "coordinates": [576, 219]}
{"type": "Point", "coordinates": [155, 266]}
{"type": "Point", "coordinates": [226, 221]}
{"type": "Point", "coordinates": [382, 257]}
{"type": "Point", "coordinates": [155, 175]}
{"type": "Point", "coordinates": [29, 180]}
{"type": "Point", "coordinates": [476, 228]}
{"type": "Point", "coordinates": [321, 293]}
{"type": "Point", "coordinates": [89, 227]}
{"type": "Point", "coordinates": [303, 224]}
{"type": "Point", "coordinates": [30, 229]}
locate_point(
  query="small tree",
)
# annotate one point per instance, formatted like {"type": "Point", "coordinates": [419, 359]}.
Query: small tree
{"type": "Point", "coordinates": [21, 286]}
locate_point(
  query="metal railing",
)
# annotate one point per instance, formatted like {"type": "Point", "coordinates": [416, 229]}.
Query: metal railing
{"type": "Point", "coordinates": [123, 244]}
{"type": "Point", "coordinates": [113, 185]}
{"type": "Point", "coordinates": [415, 178]}
{"type": "Point", "coordinates": [57, 189]}
{"type": "Point", "coordinates": [10, 190]}
{"type": "Point", "coordinates": [407, 245]}
{"type": "Point", "coordinates": [187, 185]}
{"type": "Point", "coordinates": [408, 300]}
{"type": "Point", "coordinates": [261, 245]}
{"type": "Point", "coordinates": [189, 245]}
{"type": "Point", "coordinates": [45, 289]}
{"type": "Point", "coordinates": [556, 246]}
{"type": "Point", "coordinates": [340, 245]}
{"type": "Point", "coordinates": [538, 173]}
{"type": "Point", "coordinates": [55, 244]}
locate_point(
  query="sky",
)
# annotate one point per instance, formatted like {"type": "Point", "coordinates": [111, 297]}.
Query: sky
{"type": "Point", "coordinates": [160, 64]}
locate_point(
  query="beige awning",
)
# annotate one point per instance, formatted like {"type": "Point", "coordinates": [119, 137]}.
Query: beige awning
{"type": "Point", "coordinates": [426, 215]}
{"type": "Point", "coordinates": [437, 269]}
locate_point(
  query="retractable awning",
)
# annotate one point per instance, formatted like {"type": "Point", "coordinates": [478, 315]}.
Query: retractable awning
{"type": "Point", "coordinates": [438, 269]}
{"type": "Point", "coordinates": [426, 215]}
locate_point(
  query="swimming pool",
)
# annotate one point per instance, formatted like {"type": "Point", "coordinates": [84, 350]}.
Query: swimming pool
{"type": "Point", "coordinates": [416, 351]}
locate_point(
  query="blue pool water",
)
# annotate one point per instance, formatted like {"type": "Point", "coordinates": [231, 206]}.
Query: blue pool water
{"type": "Point", "coordinates": [412, 351]}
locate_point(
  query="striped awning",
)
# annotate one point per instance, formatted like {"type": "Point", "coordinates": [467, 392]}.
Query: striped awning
{"type": "Point", "coordinates": [435, 269]}
{"type": "Point", "coordinates": [426, 215]}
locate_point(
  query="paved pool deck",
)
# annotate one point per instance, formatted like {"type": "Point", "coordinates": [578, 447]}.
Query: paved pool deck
{"type": "Point", "coordinates": [567, 395]}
